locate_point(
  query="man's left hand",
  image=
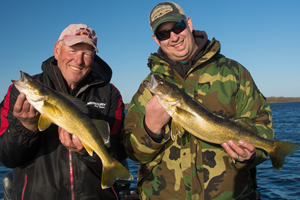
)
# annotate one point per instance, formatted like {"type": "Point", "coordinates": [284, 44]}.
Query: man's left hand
{"type": "Point", "coordinates": [73, 144]}
{"type": "Point", "coordinates": [242, 152]}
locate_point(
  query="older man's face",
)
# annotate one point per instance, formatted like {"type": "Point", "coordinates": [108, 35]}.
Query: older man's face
{"type": "Point", "coordinates": [74, 62]}
{"type": "Point", "coordinates": [181, 46]}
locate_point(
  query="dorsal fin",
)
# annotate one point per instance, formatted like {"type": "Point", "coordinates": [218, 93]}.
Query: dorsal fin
{"type": "Point", "coordinates": [77, 102]}
{"type": "Point", "coordinates": [103, 128]}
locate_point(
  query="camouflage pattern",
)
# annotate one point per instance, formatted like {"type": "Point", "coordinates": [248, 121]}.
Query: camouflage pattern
{"type": "Point", "coordinates": [189, 168]}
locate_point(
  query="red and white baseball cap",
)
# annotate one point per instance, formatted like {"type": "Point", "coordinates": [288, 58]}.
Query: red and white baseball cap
{"type": "Point", "coordinates": [78, 33]}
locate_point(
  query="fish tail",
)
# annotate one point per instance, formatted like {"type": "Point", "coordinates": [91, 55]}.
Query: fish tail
{"type": "Point", "coordinates": [281, 150]}
{"type": "Point", "coordinates": [112, 172]}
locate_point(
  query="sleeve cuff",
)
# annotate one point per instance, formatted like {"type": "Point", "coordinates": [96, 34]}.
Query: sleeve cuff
{"type": "Point", "coordinates": [156, 137]}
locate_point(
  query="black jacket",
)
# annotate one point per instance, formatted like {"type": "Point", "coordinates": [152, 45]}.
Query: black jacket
{"type": "Point", "coordinates": [42, 167]}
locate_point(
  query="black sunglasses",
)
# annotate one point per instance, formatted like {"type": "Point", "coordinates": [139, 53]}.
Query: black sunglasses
{"type": "Point", "coordinates": [177, 28]}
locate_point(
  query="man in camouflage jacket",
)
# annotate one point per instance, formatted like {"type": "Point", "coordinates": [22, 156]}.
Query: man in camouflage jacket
{"type": "Point", "coordinates": [190, 168]}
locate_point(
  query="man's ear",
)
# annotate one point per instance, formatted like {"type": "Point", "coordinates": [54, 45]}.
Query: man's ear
{"type": "Point", "coordinates": [56, 50]}
{"type": "Point", "coordinates": [156, 40]}
{"type": "Point", "coordinates": [189, 23]}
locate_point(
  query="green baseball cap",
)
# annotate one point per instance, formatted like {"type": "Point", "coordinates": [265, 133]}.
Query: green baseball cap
{"type": "Point", "coordinates": [165, 12]}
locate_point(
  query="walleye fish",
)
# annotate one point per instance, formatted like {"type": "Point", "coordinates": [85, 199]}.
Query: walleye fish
{"type": "Point", "coordinates": [190, 115]}
{"type": "Point", "coordinates": [58, 108]}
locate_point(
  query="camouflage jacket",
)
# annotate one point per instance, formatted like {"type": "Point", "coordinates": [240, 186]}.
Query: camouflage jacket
{"type": "Point", "coordinates": [189, 168]}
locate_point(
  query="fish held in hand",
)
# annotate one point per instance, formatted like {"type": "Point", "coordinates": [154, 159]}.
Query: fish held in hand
{"type": "Point", "coordinates": [190, 115]}
{"type": "Point", "coordinates": [68, 112]}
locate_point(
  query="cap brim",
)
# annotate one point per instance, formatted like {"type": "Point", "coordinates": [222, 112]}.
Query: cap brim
{"type": "Point", "coordinates": [170, 18]}
{"type": "Point", "coordinates": [76, 40]}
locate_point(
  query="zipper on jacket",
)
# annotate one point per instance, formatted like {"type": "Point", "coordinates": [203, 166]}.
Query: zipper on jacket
{"type": "Point", "coordinates": [71, 176]}
{"type": "Point", "coordinates": [114, 192]}
{"type": "Point", "coordinates": [24, 187]}
{"type": "Point", "coordinates": [70, 152]}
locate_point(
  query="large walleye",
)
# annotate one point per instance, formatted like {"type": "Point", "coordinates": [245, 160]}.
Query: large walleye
{"type": "Point", "coordinates": [60, 109]}
{"type": "Point", "coordinates": [190, 115]}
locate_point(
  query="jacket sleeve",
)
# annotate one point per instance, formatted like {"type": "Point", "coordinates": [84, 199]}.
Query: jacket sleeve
{"type": "Point", "coordinates": [17, 143]}
{"type": "Point", "coordinates": [251, 103]}
{"type": "Point", "coordinates": [139, 146]}
{"type": "Point", "coordinates": [115, 119]}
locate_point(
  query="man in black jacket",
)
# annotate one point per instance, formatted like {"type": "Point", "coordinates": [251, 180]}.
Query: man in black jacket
{"type": "Point", "coordinates": [51, 164]}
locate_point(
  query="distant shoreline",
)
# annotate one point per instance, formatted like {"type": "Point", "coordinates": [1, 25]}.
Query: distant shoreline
{"type": "Point", "coordinates": [269, 100]}
{"type": "Point", "coordinates": [282, 99]}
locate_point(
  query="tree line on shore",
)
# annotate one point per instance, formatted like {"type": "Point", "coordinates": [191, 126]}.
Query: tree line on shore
{"type": "Point", "coordinates": [282, 99]}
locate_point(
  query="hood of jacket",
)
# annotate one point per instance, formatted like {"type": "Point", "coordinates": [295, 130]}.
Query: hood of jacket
{"type": "Point", "coordinates": [100, 73]}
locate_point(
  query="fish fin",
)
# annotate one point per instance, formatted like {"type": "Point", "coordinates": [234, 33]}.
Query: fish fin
{"type": "Point", "coordinates": [114, 171]}
{"type": "Point", "coordinates": [176, 129]}
{"type": "Point", "coordinates": [183, 112]}
{"type": "Point", "coordinates": [103, 128]}
{"type": "Point", "coordinates": [247, 123]}
{"type": "Point", "coordinates": [173, 135]}
{"type": "Point", "coordinates": [281, 150]}
{"type": "Point", "coordinates": [88, 149]}
{"type": "Point", "coordinates": [44, 122]}
{"type": "Point", "coordinates": [51, 109]}
{"type": "Point", "coordinates": [77, 102]}
{"type": "Point", "coordinates": [168, 103]}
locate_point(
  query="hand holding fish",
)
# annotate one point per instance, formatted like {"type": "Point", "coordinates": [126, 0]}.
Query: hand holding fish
{"type": "Point", "coordinates": [242, 152]}
{"type": "Point", "coordinates": [26, 113]}
{"type": "Point", "coordinates": [155, 115]}
{"type": "Point", "coordinates": [73, 144]}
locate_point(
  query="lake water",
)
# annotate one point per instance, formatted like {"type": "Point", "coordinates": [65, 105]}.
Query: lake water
{"type": "Point", "coordinates": [272, 184]}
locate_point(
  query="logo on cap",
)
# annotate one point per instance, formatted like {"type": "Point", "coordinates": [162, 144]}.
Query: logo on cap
{"type": "Point", "coordinates": [160, 11]}
{"type": "Point", "coordinates": [84, 31]}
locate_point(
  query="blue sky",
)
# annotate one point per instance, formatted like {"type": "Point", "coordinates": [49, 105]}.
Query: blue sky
{"type": "Point", "coordinates": [263, 35]}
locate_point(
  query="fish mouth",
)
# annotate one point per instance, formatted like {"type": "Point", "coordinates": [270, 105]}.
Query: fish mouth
{"type": "Point", "coordinates": [153, 81]}
{"type": "Point", "coordinates": [22, 79]}
{"type": "Point", "coordinates": [152, 84]}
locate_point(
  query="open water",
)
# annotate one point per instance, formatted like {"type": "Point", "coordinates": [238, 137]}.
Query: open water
{"type": "Point", "coordinates": [272, 184]}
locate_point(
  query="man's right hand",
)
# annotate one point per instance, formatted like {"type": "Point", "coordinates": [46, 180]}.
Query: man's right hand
{"type": "Point", "coordinates": [155, 115]}
{"type": "Point", "coordinates": [26, 113]}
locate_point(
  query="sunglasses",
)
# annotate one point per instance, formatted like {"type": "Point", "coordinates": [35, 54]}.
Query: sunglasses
{"type": "Point", "coordinates": [177, 28]}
